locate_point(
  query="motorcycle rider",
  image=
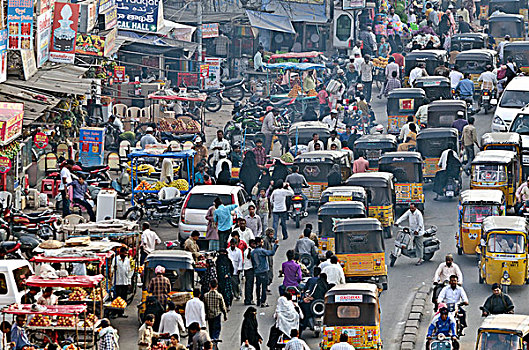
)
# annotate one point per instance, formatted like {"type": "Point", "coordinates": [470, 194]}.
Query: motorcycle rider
{"type": "Point", "coordinates": [489, 79]}
{"type": "Point", "coordinates": [465, 88]}
{"type": "Point", "coordinates": [522, 197]}
{"type": "Point", "coordinates": [442, 323]}
{"type": "Point", "coordinates": [455, 294]}
{"type": "Point", "coordinates": [443, 273]}
{"type": "Point", "coordinates": [497, 303]}
{"type": "Point", "coordinates": [297, 182]}
{"type": "Point", "coordinates": [449, 167]}
{"type": "Point", "coordinates": [416, 223]}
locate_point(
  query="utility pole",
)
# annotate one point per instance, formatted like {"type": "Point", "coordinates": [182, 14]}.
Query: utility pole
{"type": "Point", "coordinates": [199, 30]}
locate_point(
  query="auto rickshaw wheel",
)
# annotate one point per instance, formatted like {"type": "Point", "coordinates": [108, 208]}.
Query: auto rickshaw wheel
{"type": "Point", "coordinates": [427, 256]}
{"type": "Point", "coordinates": [459, 251]}
{"type": "Point", "coordinates": [387, 232]}
{"type": "Point", "coordinates": [392, 259]}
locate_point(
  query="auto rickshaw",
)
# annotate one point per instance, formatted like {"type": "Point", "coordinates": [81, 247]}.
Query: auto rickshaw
{"type": "Point", "coordinates": [354, 309]}
{"type": "Point", "coordinates": [432, 59]}
{"type": "Point", "coordinates": [431, 143]}
{"type": "Point", "coordinates": [506, 141]}
{"type": "Point", "coordinates": [436, 87]}
{"type": "Point", "coordinates": [475, 62]}
{"type": "Point", "coordinates": [504, 331]}
{"type": "Point", "coordinates": [179, 269]}
{"type": "Point", "coordinates": [474, 206]}
{"type": "Point", "coordinates": [507, 24]}
{"type": "Point", "coordinates": [329, 214]}
{"type": "Point", "coordinates": [497, 169]}
{"type": "Point", "coordinates": [406, 167]}
{"type": "Point", "coordinates": [302, 132]}
{"type": "Point", "coordinates": [316, 166]}
{"type": "Point", "coordinates": [469, 41]}
{"type": "Point", "coordinates": [381, 196]}
{"type": "Point", "coordinates": [503, 251]}
{"type": "Point", "coordinates": [402, 103]}
{"type": "Point", "coordinates": [344, 193]}
{"type": "Point", "coordinates": [371, 147]}
{"type": "Point", "coordinates": [519, 51]}
{"type": "Point", "coordinates": [444, 113]}
{"type": "Point", "coordinates": [515, 7]}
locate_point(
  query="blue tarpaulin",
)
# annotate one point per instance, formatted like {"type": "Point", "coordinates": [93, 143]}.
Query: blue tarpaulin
{"type": "Point", "coordinates": [270, 21]}
{"type": "Point", "coordinates": [181, 155]}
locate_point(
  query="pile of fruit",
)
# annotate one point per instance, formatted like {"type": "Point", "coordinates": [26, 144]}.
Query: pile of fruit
{"type": "Point", "coordinates": [143, 185]}
{"type": "Point", "coordinates": [186, 125]}
{"type": "Point", "coordinates": [70, 347]}
{"type": "Point", "coordinates": [95, 294]}
{"type": "Point", "coordinates": [119, 303]}
{"type": "Point", "coordinates": [312, 92]}
{"type": "Point", "coordinates": [78, 294]}
{"type": "Point", "coordinates": [380, 62]}
{"type": "Point", "coordinates": [158, 185]}
{"type": "Point", "coordinates": [296, 90]}
{"type": "Point", "coordinates": [66, 321]}
{"type": "Point", "coordinates": [90, 320]}
{"type": "Point", "coordinates": [181, 184]}
{"type": "Point", "coordinates": [40, 321]}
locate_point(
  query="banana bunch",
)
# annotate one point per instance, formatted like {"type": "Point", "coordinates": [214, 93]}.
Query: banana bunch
{"type": "Point", "coordinates": [158, 185]}
{"type": "Point", "coordinates": [181, 184]}
{"type": "Point", "coordinates": [380, 62]}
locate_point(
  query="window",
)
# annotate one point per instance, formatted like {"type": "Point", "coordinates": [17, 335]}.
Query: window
{"type": "Point", "coordinates": [343, 27]}
{"type": "Point", "coordinates": [20, 275]}
{"type": "Point", "coordinates": [348, 311]}
{"type": "Point", "coordinates": [521, 124]}
{"type": "Point", "coordinates": [501, 243]}
{"type": "Point", "coordinates": [476, 213]}
{"type": "Point", "coordinates": [504, 341]}
{"type": "Point", "coordinates": [514, 99]}
{"type": "Point", "coordinates": [205, 200]}
{"type": "Point", "coordinates": [3, 284]}
{"type": "Point", "coordinates": [489, 173]}
{"type": "Point", "coordinates": [241, 198]}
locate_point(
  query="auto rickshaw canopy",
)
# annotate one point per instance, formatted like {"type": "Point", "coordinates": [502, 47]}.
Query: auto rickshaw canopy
{"type": "Point", "coordinates": [468, 41]}
{"type": "Point", "coordinates": [302, 132]}
{"type": "Point", "coordinates": [482, 197]}
{"type": "Point", "coordinates": [431, 142]}
{"type": "Point", "coordinates": [494, 157]}
{"type": "Point", "coordinates": [506, 24]}
{"type": "Point", "coordinates": [358, 225]}
{"type": "Point", "coordinates": [442, 113]}
{"type": "Point", "coordinates": [476, 61]}
{"type": "Point", "coordinates": [504, 223]}
{"type": "Point", "coordinates": [501, 138]}
{"type": "Point", "coordinates": [341, 208]}
{"type": "Point", "coordinates": [519, 51]}
{"type": "Point", "coordinates": [398, 157]}
{"type": "Point", "coordinates": [376, 141]}
{"type": "Point", "coordinates": [368, 291]}
{"type": "Point", "coordinates": [508, 323]}
{"type": "Point", "coordinates": [320, 157]}
{"type": "Point", "coordinates": [373, 179]}
{"type": "Point", "coordinates": [431, 58]}
{"type": "Point", "coordinates": [179, 268]}
{"type": "Point", "coordinates": [435, 86]}
{"type": "Point", "coordinates": [352, 193]}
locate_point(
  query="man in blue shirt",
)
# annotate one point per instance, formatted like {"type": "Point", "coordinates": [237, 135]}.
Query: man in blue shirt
{"type": "Point", "coordinates": [442, 323]}
{"type": "Point", "coordinates": [224, 220]}
{"type": "Point", "coordinates": [465, 87]}
{"type": "Point", "coordinates": [261, 268]}
{"type": "Point", "coordinates": [80, 191]}
{"type": "Point", "coordinates": [18, 333]}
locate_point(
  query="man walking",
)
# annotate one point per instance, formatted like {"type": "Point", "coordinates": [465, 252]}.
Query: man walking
{"type": "Point", "coordinates": [254, 222]}
{"type": "Point", "coordinates": [279, 207]}
{"type": "Point", "coordinates": [66, 180]}
{"type": "Point", "coordinates": [469, 139]}
{"type": "Point", "coordinates": [215, 308]}
{"type": "Point", "coordinates": [269, 128]}
{"type": "Point", "coordinates": [261, 269]}
{"type": "Point", "coordinates": [249, 274]}
{"type": "Point", "coordinates": [416, 224]}
{"type": "Point", "coordinates": [149, 240]}
{"type": "Point", "coordinates": [224, 220]}
{"type": "Point", "coordinates": [195, 310]}
{"type": "Point", "coordinates": [123, 275]}
{"type": "Point", "coordinates": [235, 255]}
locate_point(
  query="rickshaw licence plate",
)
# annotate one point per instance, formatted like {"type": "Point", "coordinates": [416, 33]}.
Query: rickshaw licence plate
{"type": "Point", "coordinates": [340, 198]}
{"type": "Point", "coordinates": [349, 332]}
{"type": "Point", "coordinates": [486, 97]}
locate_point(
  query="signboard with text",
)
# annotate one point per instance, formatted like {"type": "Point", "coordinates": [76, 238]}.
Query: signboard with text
{"type": "Point", "coordinates": [95, 45]}
{"type": "Point", "coordinates": [64, 34]}
{"type": "Point", "coordinates": [91, 146]}
{"type": "Point", "coordinates": [40, 140]}
{"type": "Point", "coordinates": [11, 118]}
{"type": "Point", "coordinates": [20, 24]}
{"type": "Point", "coordinates": [119, 74]}
{"type": "Point", "coordinates": [42, 37]}
{"type": "Point", "coordinates": [3, 55]}
{"type": "Point", "coordinates": [210, 30]}
{"type": "Point", "coordinates": [140, 15]}
{"type": "Point", "coordinates": [354, 4]}
{"type": "Point", "coordinates": [5, 165]}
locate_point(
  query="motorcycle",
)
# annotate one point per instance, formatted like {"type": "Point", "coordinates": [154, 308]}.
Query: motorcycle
{"type": "Point", "coordinates": [452, 187]}
{"type": "Point", "coordinates": [298, 212]}
{"type": "Point", "coordinates": [96, 172]}
{"type": "Point", "coordinates": [404, 245]}
{"type": "Point", "coordinates": [455, 312]}
{"type": "Point", "coordinates": [485, 99]}
{"type": "Point", "coordinates": [44, 224]}
{"type": "Point", "coordinates": [440, 342]}
{"type": "Point", "coordinates": [150, 208]}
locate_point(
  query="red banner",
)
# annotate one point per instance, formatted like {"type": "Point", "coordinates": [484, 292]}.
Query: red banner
{"type": "Point", "coordinates": [65, 22]}
{"type": "Point", "coordinates": [119, 74]}
{"type": "Point", "coordinates": [40, 140]}
{"type": "Point", "coordinates": [5, 165]}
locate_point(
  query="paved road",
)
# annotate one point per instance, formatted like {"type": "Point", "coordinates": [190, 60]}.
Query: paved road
{"type": "Point", "coordinates": [404, 278]}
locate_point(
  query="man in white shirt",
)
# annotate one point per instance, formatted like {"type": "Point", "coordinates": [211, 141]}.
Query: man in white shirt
{"type": "Point", "coordinates": [359, 60]}
{"type": "Point", "coordinates": [279, 207]}
{"type": "Point", "coordinates": [392, 67]}
{"type": "Point", "coordinates": [327, 261]}
{"type": "Point", "coordinates": [295, 343]}
{"type": "Point", "coordinates": [245, 233]}
{"type": "Point", "coordinates": [416, 224]}
{"type": "Point", "coordinates": [235, 255]}
{"type": "Point", "coordinates": [501, 45]}
{"type": "Point", "coordinates": [417, 72]}
{"type": "Point", "coordinates": [454, 294]}
{"type": "Point", "coordinates": [249, 273]}
{"type": "Point", "coordinates": [219, 144]}
{"type": "Point", "coordinates": [123, 275]}
{"type": "Point", "coordinates": [343, 344]}
{"type": "Point", "coordinates": [455, 77]}
{"type": "Point", "coordinates": [315, 139]}
{"type": "Point", "coordinates": [393, 17]}
{"type": "Point", "coordinates": [66, 180]}
{"type": "Point", "coordinates": [258, 59]}
{"type": "Point", "coordinates": [443, 273]}
{"type": "Point", "coordinates": [405, 129]}
{"type": "Point", "coordinates": [48, 298]}
{"type": "Point", "coordinates": [334, 272]}
{"type": "Point", "coordinates": [171, 322]}
{"type": "Point", "coordinates": [489, 79]}
{"type": "Point", "coordinates": [332, 120]}
{"type": "Point", "coordinates": [222, 159]}
{"type": "Point", "coordinates": [149, 240]}
{"type": "Point", "coordinates": [195, 310]}
{"type": "Point", "coordinates": [253, 221]}
{"type": "Point", "coordinates": [334, 140]}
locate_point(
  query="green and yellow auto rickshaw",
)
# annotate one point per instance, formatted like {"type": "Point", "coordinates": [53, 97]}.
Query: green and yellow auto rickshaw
{"type": "Point", "coordinates": [432, 59]}
{"type": "Point", "coordinates": [407, 168]}
{"type": "Point", "coordinates": [474, 207]}
{"type": "Point", "coordinates": [381, 196]}
{"type": "Point", "coordinates": [469, 41]}
{"type": "Point", "coordinates": [402, 103]}
{"type": "Point", "coordinates": [431, 143]}
{"type": "Point", "coordinates": [344, 193]}
{"type": "Point", "coordinates": [497, 169]}
{"type": "Point", "coordinates": [436, 87]}
{"type": "Point", "coordinates": [371, 147]}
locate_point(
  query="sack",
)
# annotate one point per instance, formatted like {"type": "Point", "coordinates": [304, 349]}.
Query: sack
{"type": "Point", "coordinates": [333, 86]}
{"type": "Point", "coordinates": [255, 190]}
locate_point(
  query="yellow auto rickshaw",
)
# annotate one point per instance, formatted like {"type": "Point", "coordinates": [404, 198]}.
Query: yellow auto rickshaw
{"type": "Point", "coordinates": [329, 214]}
{"type": "Point", "coordinates": [504, 24]}
{"type": "Point", "coordinates": [475, 62]}
{"type": "Point", "coordinates": [359, 245]}
{"type": "Point", "coordinates": [504, 141]}
{"type": "Point", "coordinates": [474, 207]}
{"type": "Point", "coordinates": [354, 309]}
{"type": "Point", "coordinates": [503, 251]}
{"type": "Point", "coordinates": [431, 143]}
{"type": "Point", "coordinates": [344, 193]}
{"type": "Point", "coordinates": [519, 51]}
{"type": "Point", "coordinates": [381, 196]}
{"type": "Point", "coordinates": [403, 102]}
{"type": "Point", "coordinates": [407, 168]}
{"type": "Point", "coordinates": [371, 147]}
{"type": "Point", "coordinates": [316, 166]}
{"type": "Point", "coordinates": [504, 331]}
{"type": "Point", "coordinates": [497, 169]}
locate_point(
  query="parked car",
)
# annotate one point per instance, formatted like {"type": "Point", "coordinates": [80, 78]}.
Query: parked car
{"type": "Point", "coordinates": [13, 274]}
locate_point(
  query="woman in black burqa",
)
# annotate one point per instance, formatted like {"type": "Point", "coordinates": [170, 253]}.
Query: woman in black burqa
{"type": "Point", "coordinates": [249, 329]}
{"type": "Point", "coordinates": [249, 174]}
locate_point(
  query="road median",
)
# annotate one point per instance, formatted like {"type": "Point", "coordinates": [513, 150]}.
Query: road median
{"type": "Point", "coordinates": [414, 317]}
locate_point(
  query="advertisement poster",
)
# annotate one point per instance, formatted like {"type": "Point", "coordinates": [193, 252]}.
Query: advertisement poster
{"type": "Point", "coordinates": [43, 36]}
{"type": "Point", "coordinates": [40, 140]}
{"type": "Point", "coordinates": [3, 55]}
{"type": "Point", "coordinates": [189, 79]}
{"type": "Point", "coordinates": [140, 15]}
{"type": "Point", "coordinates": [92, 146]}
{"type": "Point", "coordinates": [212, 80]}
{"type": "Point", "coordinates": [105, 5]}
{"type": "Point", "coordinates": [119, 74]}
{"type": "Point", "coordinates": [11, 118]}
{"type": "Point", "coordinates": [64, 34]}
{"type": "Point", "coordinates": [20, 24]}
{"type": "Point", "coordinates": [210, 30]}
{"type": "Point", "coordinates": [354, 4]}
{"type": "Point", "coordinates": [44, 5]}
{"type": "Point", "coordinates": [29, 66]}
{"type": "Point", "coordinates": [5, 165]}
{"type": "Point", "coordinates": [90, 44]}
{"type": "Point", "coordinates": [111, 18]}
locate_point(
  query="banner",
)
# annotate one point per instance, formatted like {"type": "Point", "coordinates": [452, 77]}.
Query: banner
{"type": "Point", "coordinates": [5, 165]}
{"type": "Point", "coordinates": [212, 80]}
{"type": "Point", "coordinates": [40, 140]}
{"type": "Point", "coordinates": [354, 4]}
{"type": "Point", "coordinates": [65, 21]}
{"type": "Point", "coordinates": [44, 5]}
{"type": "Point", "coordinates": [140, 15]}
{"type": "Point", "coordinates": [43, 36]}
{"type": "Point", "coordinates": [11, 118]}
{"type": "Point", "coordinates": [20, 24]}
{"type": "Point", "coordinates": [95, 45]}
{"type": "Point", "coordinates": [3, 55]}
{"type": "Point", "coordinates": [119, 74]}
{"type": "Point", "coordinates": [111, 18]}
{"type": "Point", "coordinates": [105, 5]}
{"type": "Point", "coordinates": [29, 66]}
{"type": "Point", "coordinates": [210, 30]}
{"type": "Point", "coordinates": [92, 146]}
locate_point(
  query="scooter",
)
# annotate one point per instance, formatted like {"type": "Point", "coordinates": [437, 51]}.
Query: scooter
{"type": "Point", "coordinates": [452, 187]}
{"type": "Point", "coordinates": [404, 245]}
{"type": "Point", "coordinates": [298, 212]}
{"type": "Point", "coordinates": [486, 98]}
{"type": "Point", "coordinates": [440, 342]}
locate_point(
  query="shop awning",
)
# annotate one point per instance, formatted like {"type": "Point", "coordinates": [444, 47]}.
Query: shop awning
{"type": "Point", "coordinates": [35, 103]}
{"type": "Point", "coordinates": [263, 20]}
{"type": "Point", "coordinates": [65, 282]}
{"type": "Point", "coordinates": [49, 310]}
{"type": "Point", "coordinates": [297, 11]}
{"type": "Point", "coordinates": [128, 38]}
{"type": "Point", "coordinates": [100, 257]}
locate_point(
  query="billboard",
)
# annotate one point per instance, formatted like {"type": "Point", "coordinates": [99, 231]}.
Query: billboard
{"type": "Point", "coordinates": [140, 15]}
{"type": "Point", "coordinates": [20, 24]}
{"type": "Point", "coordinates": [64, 34]}
{"type": "Point", "coordinates": [42, 37]}
{"type": "Point", "coordinates": [11, 119]}
{"type": "Point", "coordinates": [92, 146]}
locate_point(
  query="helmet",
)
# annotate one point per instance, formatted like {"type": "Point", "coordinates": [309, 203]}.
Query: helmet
{"type": "Point", "coordinates": [237, 105]}
{"type": "Point", "coordinates": [443, 311]}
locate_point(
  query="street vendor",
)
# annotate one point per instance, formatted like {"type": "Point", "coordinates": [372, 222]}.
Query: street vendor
{"type": "Point", "coordinates": [202, 151]}
{"type": "Point", "coordinates": [48, 298]}
{"type": "Point", "coordinates": [148, 138]}
{"type": "Point", "coordinates": [191, 244]}
{"type": "Point", "coordinates": [18, 333]}
{"type": "Point", "coordinates": [160, 286]}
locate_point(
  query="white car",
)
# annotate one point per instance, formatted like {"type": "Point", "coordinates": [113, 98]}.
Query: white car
{"type": "Point", "coordinates": [514, 98]}
{"type": "Point", "coordinates": [200, 198]}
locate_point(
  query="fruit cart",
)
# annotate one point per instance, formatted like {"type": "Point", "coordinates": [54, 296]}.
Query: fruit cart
{"type": "Point", "coordinates": [68, 325]}
{"type": "Point", "coordinates": [79, 284]}
{"type": "Point", "coordinates": [186, 157]}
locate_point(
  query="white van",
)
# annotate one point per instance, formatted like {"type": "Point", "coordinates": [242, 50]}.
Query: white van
{"type": "Point", "coordinates": [13, 274]}
{"type": "Point", "coordinates": [514, 98]}
{"type": "Point", "coordinates": [200, 198]}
